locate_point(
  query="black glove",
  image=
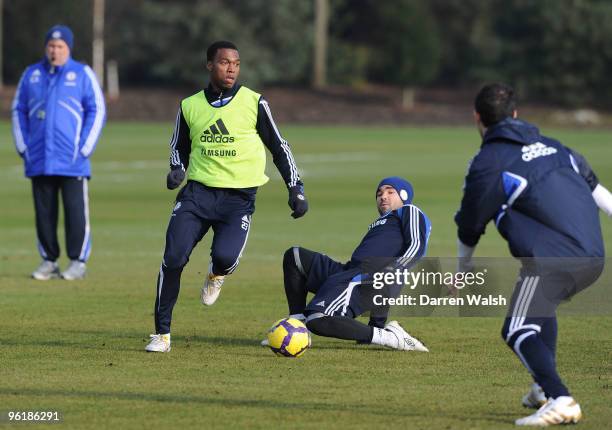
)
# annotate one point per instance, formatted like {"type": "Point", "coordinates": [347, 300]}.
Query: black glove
{"type": "Point", "coordinates": [297, 201]}
{"type": "Point", "coordinates": [175, 177]}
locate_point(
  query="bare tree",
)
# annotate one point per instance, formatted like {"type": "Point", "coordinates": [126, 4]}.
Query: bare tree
{"type": "Point", "coordinates": [320, 43]}
{"type": "Point", "coordinates": [98, 40]}
{"type": "Point", "coordinates": [1, 51]}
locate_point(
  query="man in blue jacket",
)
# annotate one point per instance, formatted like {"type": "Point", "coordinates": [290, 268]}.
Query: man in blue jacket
{"type": "Point", "coordinates": [58, 115]}
{"type": "Point", "coordinates": [544, 199]}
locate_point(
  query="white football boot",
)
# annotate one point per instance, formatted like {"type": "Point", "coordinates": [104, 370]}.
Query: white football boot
{"type": "Point", "coordinates": [562, 410]}
{"type": "Point", "coordinates": [47, 270]}
{"type": "Point", "coordinates": [212, 287]}
{"type": "Point", "coordinates": [394, 336]}
{"type": "Point", "coordinates": [159, 343]}
{"type": "Point", "coordinates": [75, 270]}
{"type": "Point", "coordinates": [535, 398]}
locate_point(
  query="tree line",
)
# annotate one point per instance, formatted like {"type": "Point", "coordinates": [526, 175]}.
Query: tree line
{"type": "Point", "coordinates": [556, 51]}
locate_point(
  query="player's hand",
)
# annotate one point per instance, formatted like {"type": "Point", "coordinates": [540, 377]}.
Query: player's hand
{"type": "Point", "coordinates": [464, 265]}
{"type": "Point", "coordinates": [175, 177]}
{"type": "Point", "coordinates": [297, 201]}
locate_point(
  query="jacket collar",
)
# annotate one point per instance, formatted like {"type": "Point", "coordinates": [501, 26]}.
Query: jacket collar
{"type": "Point", "coordinates": [513, 131]}
{"type": "Point", "coordinates": [54, 69]}
{"type": "Point", "coordinates": [220, 98]}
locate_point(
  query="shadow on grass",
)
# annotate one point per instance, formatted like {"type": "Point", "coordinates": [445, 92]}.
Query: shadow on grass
{"type": "Point", "coordinates": [60, 343]}
{"type": "Point", "coordinates": [229, 341]}
{"type": "Point", "coordinates": [136, 343]}
{"type": "Point", "coordinates": [216, 340]}
{"type": "Point", "coordinates": [249, 403]}
{"type": "Point", "coordinates": [107, 340]}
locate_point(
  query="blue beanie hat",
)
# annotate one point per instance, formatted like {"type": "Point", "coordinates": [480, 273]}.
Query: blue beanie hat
{"type": "Point", "coordinates": [402, 186]}
{"type": "Point", "coordinates": [62, 32]}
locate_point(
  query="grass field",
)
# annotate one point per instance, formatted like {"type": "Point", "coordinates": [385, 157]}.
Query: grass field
{"type": "Point", "coordinates": [78, 347]}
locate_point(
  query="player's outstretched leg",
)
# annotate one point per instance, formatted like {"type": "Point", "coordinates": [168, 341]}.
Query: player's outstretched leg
{"type": "Point", "coordinates": [341, 298]}
{"type": "Point", "coordinates": [391, 336]}
{"type": "Point", "coordinates": [339, 327]}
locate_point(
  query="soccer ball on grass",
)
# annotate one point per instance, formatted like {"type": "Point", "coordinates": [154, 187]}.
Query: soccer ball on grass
{"type": "Point", "coordinates": [288, 337]}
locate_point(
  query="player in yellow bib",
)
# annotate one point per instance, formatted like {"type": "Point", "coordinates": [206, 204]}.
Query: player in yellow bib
{"type": "Point", "coordinates": [218, 143]}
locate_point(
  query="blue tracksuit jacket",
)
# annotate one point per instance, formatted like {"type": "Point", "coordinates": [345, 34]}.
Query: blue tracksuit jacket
{"type": "Point", "coordinates": [58, 115]}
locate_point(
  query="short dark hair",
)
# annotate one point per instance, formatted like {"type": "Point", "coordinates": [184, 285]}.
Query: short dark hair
{"type": "Point", "coordinates": [214, 47]}
{"type": "Point", "coordinates": [494, 103]}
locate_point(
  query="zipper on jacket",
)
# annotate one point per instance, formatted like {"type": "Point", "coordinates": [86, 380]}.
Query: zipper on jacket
{"type": "Point", "coordinates": [220, 98]}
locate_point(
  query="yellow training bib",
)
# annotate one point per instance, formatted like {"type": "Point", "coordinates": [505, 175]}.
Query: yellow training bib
{"type": "Point", "coordinates": [226, 151]}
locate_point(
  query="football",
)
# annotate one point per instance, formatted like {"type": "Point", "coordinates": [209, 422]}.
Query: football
{"type": "Point", "coordinates": [288, 337]}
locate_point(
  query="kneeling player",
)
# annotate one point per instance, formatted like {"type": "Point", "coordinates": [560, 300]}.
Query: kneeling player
{"type": "Point", "coordinates": [342, 292]}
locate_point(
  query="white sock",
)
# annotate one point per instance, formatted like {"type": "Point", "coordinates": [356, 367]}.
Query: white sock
{"type": "Point", "coordinates": [300, 317]}
{"type": "Point", "coordinates": [377, 336]}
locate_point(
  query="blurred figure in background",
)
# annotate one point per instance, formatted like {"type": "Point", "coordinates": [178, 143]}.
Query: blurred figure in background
{"type": "Point", "coordinates": [58, 115]}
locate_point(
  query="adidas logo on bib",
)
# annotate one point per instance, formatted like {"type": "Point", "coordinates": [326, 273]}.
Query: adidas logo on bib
{"type": "Point", "coordinates": [216, 133]}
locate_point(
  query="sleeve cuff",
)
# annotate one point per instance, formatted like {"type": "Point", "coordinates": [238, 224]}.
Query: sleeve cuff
{"type": "Point", "coordinates": [468, 238]}
{"type": "Point", "coordinates": [603, 198]}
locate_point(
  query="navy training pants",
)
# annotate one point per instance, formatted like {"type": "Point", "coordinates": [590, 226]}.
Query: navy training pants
{"type": "Point", "coordinates": [197, 209]}
{"type": "Point", "coordinates": [45, 192]}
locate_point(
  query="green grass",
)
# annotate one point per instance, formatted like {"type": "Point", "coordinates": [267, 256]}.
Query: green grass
{"type": "Point", "coordinates": [78, 347]}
